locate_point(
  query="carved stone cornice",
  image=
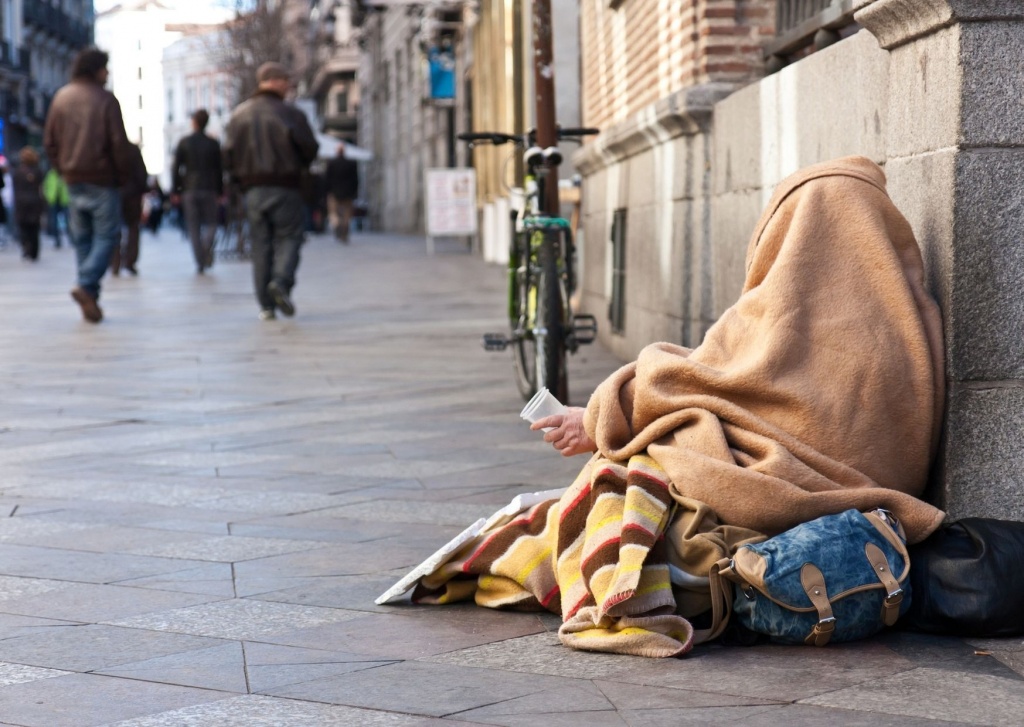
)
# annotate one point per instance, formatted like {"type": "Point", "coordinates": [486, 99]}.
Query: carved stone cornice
{"type": "Point", "coordinates": [895, 22]}
{"type": "Point", "coordinates": [684, 113]}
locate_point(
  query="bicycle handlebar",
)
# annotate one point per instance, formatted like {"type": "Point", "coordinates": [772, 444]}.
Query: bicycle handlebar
{"type": "Point", "coordinates": [492, 136]}
{"type": "Point", "coordinates": [497, 137]}
{"type": "Point", "coordinates": [585, 131]}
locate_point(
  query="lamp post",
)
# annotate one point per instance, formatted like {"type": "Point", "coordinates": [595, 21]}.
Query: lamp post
{"type": "Point", "coordinates": [544, 97]}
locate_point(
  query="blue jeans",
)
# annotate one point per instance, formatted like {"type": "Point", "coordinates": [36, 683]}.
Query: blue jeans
{"type": "Point", "coordinates": [276, 231]}
{"type": "Point", "coordinates": [94, 220]}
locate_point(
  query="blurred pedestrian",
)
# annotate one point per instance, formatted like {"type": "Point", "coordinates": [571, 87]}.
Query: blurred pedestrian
{"type": "Point", "coordinates": [268, 148]}
{"type": "Point", "coordinates": [28, 201]}
{"type": "Point", "coordinates": [86, 143]}
{"type": "Point", "coordinates": [55, 192]}
{"type": "Point", "coordinates": [6, 202]}
{"type": "Point", "coordinates": [199, 182]}
{"type": "Point", "coordinates": [342, 190]}
{"type": "Point", "coordinates": [126, 251]}
{"type": "Point", "coordinates": [153, 206]}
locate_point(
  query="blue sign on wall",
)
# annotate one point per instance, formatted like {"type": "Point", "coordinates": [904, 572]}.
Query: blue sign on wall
{"type": "Point", "coordinates": [442, 73]}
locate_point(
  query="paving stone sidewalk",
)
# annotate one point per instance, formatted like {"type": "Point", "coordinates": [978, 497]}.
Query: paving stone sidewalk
{"type": "Point", "coordinates": [197, 509]}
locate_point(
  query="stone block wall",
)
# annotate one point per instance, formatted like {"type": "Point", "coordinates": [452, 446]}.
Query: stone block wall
{"type": "Point", "coordinates": [956, 160]}
{"type": "Point", "coordinates": [694, 172]}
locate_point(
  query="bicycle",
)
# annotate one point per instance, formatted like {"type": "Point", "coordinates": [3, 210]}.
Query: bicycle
{"type": "Point", "coordinates": [232, 238]}
{"type": "Point", "coordinates": [541, 278]}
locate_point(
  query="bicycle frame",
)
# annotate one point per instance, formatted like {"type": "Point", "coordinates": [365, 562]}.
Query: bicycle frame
{"type": "Point", "coordinates": [543, 327]}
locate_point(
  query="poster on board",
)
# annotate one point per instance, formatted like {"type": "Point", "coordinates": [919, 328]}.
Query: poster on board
{"type": "Point", "coordinates": [451, 202]}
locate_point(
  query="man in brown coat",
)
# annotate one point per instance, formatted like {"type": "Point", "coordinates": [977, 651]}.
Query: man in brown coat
{"type": "Point", "coordinates": [86, 143]}
{"type": "Point", "coordinates": [268, 148]}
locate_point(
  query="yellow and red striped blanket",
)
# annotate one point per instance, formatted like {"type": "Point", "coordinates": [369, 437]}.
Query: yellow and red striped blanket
{"type": "Point", "coordinates": [597, 556]}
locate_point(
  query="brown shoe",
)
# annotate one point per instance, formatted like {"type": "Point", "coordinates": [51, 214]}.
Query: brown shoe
{"type": "Point", "coordinates": [90, 308]}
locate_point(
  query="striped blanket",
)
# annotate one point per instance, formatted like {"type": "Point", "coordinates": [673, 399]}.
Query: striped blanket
{"type": "Point", "coordinates": [597, 556]}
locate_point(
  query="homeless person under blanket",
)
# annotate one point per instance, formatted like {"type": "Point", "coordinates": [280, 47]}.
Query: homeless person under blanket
{"type": "Point", "coordinates": [819, 391]}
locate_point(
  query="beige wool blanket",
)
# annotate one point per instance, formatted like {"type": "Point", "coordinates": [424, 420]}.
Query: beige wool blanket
{"type": "Point", "coordinates": [820, 390]}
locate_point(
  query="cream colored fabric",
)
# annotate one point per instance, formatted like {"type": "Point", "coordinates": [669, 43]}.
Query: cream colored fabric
{"type": "Point", "coordinates": [820, 390]}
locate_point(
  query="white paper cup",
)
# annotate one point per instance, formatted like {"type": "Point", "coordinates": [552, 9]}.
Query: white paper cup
{"type": "Point", "coordinates": [543, 404]}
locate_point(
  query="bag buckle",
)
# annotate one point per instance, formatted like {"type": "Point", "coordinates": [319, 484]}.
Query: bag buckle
{"type": "Point", "coordinates": [822, 632]}
{"type": "Point", "coordinates": [894, 598]}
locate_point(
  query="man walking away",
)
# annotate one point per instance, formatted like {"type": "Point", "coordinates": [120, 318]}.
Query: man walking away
{"type": "Point", "coordinates": [126, 251]}
{"type": "Point", "coordinates": [268, 147]}
{"type": "Point", "coordinates": [86, 143]}
{"type": "Point", "coordinates": [342, 190]}
{"type": "Point", "coordinates": [55, 192]}
{"type": "Point", "coordinates": [198, 180]}
{"type": "Point", "coordinates": [28, 201]}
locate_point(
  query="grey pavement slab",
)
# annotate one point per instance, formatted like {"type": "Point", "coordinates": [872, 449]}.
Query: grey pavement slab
{"type": "Point", "coordinates": [260, 711]}
{"type": "Point", "coordinates": [87, 647]}
{"type": "Point", "coordinates": [85, 700]}
{"type": "Point", "coordinates": [197, 509]}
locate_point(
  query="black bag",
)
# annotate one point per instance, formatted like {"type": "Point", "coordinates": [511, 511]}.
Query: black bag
{"type": "Point", "coordinates": [968, 580]}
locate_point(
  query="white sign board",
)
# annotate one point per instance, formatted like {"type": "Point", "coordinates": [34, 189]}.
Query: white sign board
{"type": "Point", "coordinates": [451, 202]}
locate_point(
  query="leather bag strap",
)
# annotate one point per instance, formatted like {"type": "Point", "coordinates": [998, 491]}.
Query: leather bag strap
{"type": "Point", "coordinates": [813, 583]}
{"type": "Point", "coordinates": [721, 604]}
{"type": "Point", "coordinates": [894, 597]}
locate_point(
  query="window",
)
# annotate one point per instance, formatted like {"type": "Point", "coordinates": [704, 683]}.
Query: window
{"type": "Point", "coordinates": [140, 73]}
{"type": "Point", "coordinates": [617, 304]}
{"type": "Point", "coordinates": [140, 102]}
{"type": "Point", "coordinates": [170, 105]}
{"type": "Point", "coordinates": [341, 102]}
{"type": "Point", "coordinates": [219, 97]}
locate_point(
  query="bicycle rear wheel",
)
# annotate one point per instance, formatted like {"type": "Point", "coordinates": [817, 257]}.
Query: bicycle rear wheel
{"type": "Point", "coordinates": [540, 353]}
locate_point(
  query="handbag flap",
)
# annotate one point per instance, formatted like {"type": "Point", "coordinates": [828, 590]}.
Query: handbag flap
{"type": "Point", "coordinates": [835, 544]}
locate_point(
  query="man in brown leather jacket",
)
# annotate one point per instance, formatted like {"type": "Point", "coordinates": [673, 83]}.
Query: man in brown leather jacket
{"type": "Point", "coordinates": [86, 143]}
{"type": "Point", "coordinates": [267, 149]}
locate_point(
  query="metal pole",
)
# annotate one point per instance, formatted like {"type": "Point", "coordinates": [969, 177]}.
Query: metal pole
{"type": "Point", "coordinates": [544, 89]}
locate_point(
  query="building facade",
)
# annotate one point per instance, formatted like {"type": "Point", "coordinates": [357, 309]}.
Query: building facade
{"type": "Point", "coordinates": [407, 130]}
{"type": "Point", "coordinates": [334, 85]}
{"type": "Point", "coordinates": [38, 43]}
{"type": "Point", "coordinates": [500, 83]}
{"type": "Point", "coordinates": [411, 125]}
{"type": "Point", "coordinates": [135, 35]}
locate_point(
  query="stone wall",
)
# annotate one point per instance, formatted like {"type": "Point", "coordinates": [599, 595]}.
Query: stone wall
{"type": "Point", "coordinates": [694, 172]}
{"type": "Point", "coordinates": [956, 159]}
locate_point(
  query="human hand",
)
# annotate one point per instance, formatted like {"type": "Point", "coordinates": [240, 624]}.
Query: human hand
{"type": "Point", "coordinates": [568, 436]}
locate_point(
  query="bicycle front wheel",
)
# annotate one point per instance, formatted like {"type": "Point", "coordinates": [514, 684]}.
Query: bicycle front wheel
{"type": "Point", "coordinates": [549, 328]}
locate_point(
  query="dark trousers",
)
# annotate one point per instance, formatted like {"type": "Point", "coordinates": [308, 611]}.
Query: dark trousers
{"type": "Point", "coordinates": [200, 207]}
{"type": "Point", "coordinates": [276, 232]}
{"type": "Point", "coordinates": [29, 235]}
{"type": "Point", "coordinates": [126, 252]}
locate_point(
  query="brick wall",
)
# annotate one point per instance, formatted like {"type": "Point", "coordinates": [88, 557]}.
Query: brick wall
{"type": "Point", "coordinates": [642, 50]}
